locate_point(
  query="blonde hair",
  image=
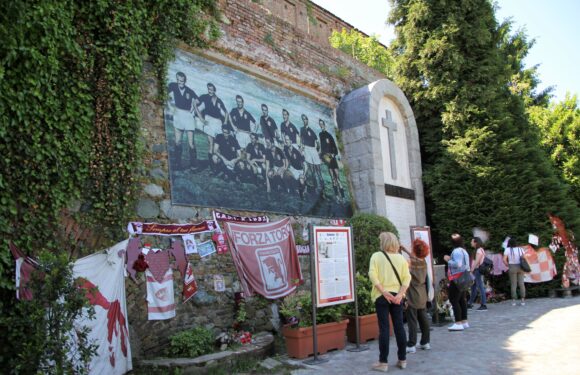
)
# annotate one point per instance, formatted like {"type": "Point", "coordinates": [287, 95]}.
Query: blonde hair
{"type": "Point", "coordinates": [389, 242]}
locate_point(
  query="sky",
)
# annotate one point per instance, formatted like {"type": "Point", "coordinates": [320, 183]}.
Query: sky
{"type": "Point", "coordinates": [555, 25]}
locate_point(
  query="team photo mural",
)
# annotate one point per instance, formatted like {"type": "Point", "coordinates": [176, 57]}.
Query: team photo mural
{"type": "Point", "coordinates": [239, 142]}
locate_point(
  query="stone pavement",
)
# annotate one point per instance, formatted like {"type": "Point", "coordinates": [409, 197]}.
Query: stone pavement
{"type": "Point", "coordinates": [541, 337]}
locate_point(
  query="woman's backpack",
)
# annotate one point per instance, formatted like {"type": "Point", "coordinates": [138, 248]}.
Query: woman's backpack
{"type": "Point", "coordinates": [485, 267]}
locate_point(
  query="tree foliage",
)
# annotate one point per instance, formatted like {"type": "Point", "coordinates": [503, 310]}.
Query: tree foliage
{"type": "Point", "coordinates": [43, 335]}
{"type": "Point", "coordinates": [559, 125]}
{"type": "Point", "coordinates": [366, 49]}
{"type": "Point", "coordinates": [482, 165]}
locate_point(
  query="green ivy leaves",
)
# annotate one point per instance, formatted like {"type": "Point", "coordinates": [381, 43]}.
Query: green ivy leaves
{"type": "Point", "coordinates": [70, 95]}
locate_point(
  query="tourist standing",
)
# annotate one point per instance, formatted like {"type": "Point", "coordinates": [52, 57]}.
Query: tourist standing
{"type": "Point", "coordinates": [458, 263]}
{"type": "Point", "coordinates": [417, 297]}
{"type": "Point", "coordinates": [389, 274]}
{"type": "Point", "coordinates": [478, 285]}
{"type": "Point", "coordinates": [511, 258]}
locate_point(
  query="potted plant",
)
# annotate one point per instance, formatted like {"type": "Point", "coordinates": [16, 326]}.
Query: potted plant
{"type": "Point", "coordinates": [297, 312]}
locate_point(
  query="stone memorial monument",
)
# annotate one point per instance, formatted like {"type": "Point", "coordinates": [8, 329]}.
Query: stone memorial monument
{"type": "Point", "coordinates": [381, 148]}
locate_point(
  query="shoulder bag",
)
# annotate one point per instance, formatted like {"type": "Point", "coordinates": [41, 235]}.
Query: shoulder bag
{"type": "Point", "coordinates": [486, 266]}
{"type": "Point", "coordinates": [465, 281]}
{"type": "Point", "coordinates": [524, 265]}
{"type": "Point", "coordinates": [404, 300]}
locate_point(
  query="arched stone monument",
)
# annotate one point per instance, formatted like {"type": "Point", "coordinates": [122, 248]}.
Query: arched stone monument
{"type": "Point", "coordinates": [381, 148]}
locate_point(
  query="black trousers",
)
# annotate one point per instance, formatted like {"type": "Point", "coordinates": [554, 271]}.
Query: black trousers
{"type": "Point", "coordinates": [384, 309]}
{"type": "Point", "coordinates": [457, 299]}
{"type": "Point", "coordinates": [415, 316]}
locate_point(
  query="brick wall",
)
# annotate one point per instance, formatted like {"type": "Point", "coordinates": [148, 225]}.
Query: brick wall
{"type": "Point", "coordinates": [264, 34]}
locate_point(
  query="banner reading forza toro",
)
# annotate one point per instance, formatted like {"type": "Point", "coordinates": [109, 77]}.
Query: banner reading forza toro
{"type": "Point", "coordinates": [235, 141]}
{"type": "Point", "coordinates": [265, 257]}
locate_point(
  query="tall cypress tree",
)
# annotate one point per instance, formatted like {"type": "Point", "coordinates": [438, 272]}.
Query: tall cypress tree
{"type": "Point", "coordinates": [559, 125]}
{"type": "Point", "coordinates": [482, 163]}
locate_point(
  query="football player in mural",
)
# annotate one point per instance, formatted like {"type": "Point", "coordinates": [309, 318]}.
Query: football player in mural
{"type": "Point", "coordinates": [329, 152]}
{"type": "Point", "coordinates": [309, 141]}
{"type": "Point", "coordinates": [214, 115]}
{"type": "Point", "coordinates": [276, 165]}
{"type": "Point", "coordinates": [287, 128]}
{"type": "Point", "coordinates": [295, 167]}
{"type": "Point", "coordinates": [183, 103]}
{"type": "Point", "coordinates": [268, 126]}
{"type": "Point", "coordinates": [256, 155]}
{"type": "Point", "coordinates": [242, 122]}
{"type": "Point", "coordinates": [226, 153]}
{"type": "Point", "coordinates": [243, 170]}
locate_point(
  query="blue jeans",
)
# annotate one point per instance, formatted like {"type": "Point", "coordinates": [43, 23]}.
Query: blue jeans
{"type": "Point", "coordinates": [477, 286]}
{"type": "Point", "coordinates": [384, 308]}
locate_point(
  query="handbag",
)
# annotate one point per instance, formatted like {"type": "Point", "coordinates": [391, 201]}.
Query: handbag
{"type": "Point", "coordinates": [524, 265]}
{"type": "Point", "coordinates": [485, 267]}
{"type": "Point", "coordinates": [404, 300]}
{"type": "Point", "coordinates": [465, 280]}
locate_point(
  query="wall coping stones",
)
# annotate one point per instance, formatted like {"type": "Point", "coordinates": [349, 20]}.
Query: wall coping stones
{"type": "Point", "coordinates": [147, 209]}
{"type": "Point", "coordinates": [153, 190]}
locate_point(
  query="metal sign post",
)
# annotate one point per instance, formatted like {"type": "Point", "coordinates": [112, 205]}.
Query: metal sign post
{"type": "Point", "coordinates": [315, 360]}
{"type": "Point", "coordinates": [358, 347]}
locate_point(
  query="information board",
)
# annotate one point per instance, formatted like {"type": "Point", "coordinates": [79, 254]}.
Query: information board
{"type": "Point", "coordinates": [333, 265]}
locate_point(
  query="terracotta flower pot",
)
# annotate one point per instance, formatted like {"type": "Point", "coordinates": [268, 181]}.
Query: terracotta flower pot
{"type": "Point", "coordinates": [368, 328]}
{"type": "Point", "coordinates": [299, 340]}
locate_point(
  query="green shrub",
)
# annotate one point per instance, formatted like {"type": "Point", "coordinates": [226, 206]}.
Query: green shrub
{"type": "Point", "coordinates": [192, 343]}
{"type": "Point", "coordinates": [366, 229]}
{"type": "Point", "coordinates": [366, 305]}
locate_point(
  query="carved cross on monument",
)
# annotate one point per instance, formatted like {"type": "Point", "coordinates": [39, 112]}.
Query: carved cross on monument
{"type": "Point", "coordinates": [391, 127]}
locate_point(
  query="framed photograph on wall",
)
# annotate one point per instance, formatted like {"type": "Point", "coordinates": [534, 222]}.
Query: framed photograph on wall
{"type": "Point", "coordinates": [424, 233]}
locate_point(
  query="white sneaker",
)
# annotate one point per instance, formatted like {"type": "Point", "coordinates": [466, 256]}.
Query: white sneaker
{"type": "Point", "coordinates": [513, 302]}
{"type": "Point", "coordinates": [523, 303]}
{"type": "Point", "coordinates": [411, 349]}
{"type": "Point", "coordinates": [427, 346]}
{"type": "Point", "coordinates": [456, 327]}
{"type": "Point", "coordinates": [465, 325]}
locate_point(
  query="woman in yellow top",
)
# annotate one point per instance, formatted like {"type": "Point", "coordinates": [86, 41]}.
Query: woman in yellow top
{"type": "Point", "coordinates": [388, 292]}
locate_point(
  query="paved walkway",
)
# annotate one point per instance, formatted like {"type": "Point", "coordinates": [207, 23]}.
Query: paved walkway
{"type": "Point", "coordinates": [541, 337]}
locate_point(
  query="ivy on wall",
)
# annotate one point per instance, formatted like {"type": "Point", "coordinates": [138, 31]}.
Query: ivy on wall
{"type": "Point", "coordinates": [70, 91]}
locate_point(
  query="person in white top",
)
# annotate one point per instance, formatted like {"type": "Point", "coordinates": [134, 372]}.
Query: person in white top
{"type": "Point", "coordinates": [511, 258]}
